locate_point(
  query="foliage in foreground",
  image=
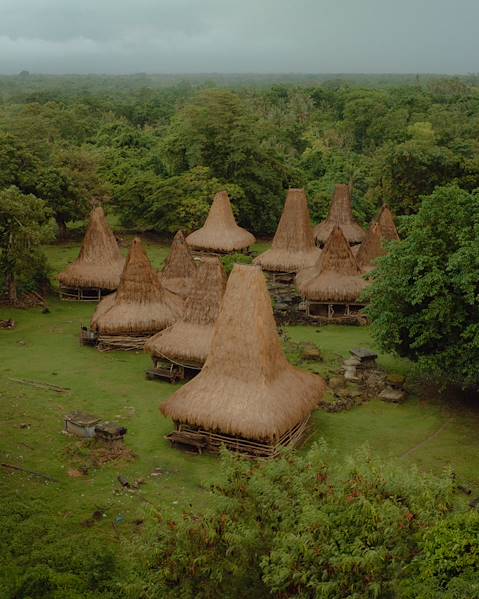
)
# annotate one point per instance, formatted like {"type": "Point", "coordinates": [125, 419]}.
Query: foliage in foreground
{"type": "Point", "coordinates": [39, 559]}
{"type": "Point", "coordinates": [424, 302]}
{"type": "Point", "coordinates": [301, 526]}
{"type": "Point", "coordinates": [312, 527]}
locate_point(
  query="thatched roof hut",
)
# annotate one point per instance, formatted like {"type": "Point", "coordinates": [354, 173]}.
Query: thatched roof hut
{"type": "Point", "coordinates": [141, 306]}
{"type": "Point", "coordinates": [370, 249]}
{"type": "Point", "coordinates": [179, 269]}
{"type": "Point", "coordinates": [340, 214]}
{"type": "Point", "coordinates": [336, 276]}
{"type": "Point", "coordinates": [293, 246]}
{"type": "Point", "coordinates": [188, 341]}
{"type": "Point", "coordinates": [247, 389]}
{"type": "Point", "coordinates": [382, 229]}
{"type": "Point", "coordinates": [387, 228]}
{"type": "Point", "coordinates": [220, 233]}
{"type": "Point", "coordinates": [100, 263]}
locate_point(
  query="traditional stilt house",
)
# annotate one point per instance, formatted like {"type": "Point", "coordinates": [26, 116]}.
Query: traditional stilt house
{"type": "Point", "coordinates": [139, 308]}
{"type": "Point", "coordinates": [96, 272]}
{"type": "Point", "coordinates": [247, 396]}
{"type": "Point", "coordinates": [340, 214]}
{"type": "Point", "coordinates": [180, 351]}
{"type": "Point", "coordinates": [293, 246]}
{"type": "Point", "coordinates": [179, 269]}
{"type": "Point", "coordinates": [333, 286]}
{"type": "Point", "coordinates": [220, 234]}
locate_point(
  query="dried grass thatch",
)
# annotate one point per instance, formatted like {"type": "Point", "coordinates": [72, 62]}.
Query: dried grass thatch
{"type": "Point", "coordinates": [100, 263]}
{"type": "Point", "coordinates": [188, 341]}
{"type": "Point", "coordinates": [371, 248]}
{"type": "Point", "coordinates": [336, 276]}
{"type": "Point", "coordinates": [220, 233]}
{"type": "Point", "coordinates": [247, 387]}
{"type": "Point", "coordinates": [179, 269]}
{"type": "Point", "coordinates": [140, 306]}
{"type": "Point", "coordinates": [387, 228]}
{"type": "Point", "coordinates": [340, 214]}
{"type": "Point", "coordinates": [293, 246]}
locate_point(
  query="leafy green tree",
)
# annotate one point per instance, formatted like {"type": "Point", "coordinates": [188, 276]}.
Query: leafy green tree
{"type": "Point", "coordinates": [407, 171]}
{"type": "Point", "coordinates": [424, 300]}
{"type": "Point", "coordinates": [448, 563]}
{"type": "Point", "coordinates": [24, 224]}
{"type": "Point", "coordinates": [18, 165]}
{"type": "Point", "coordinates": [63, 197]}
{"type": "Point", "coordinates": [216, 130]}
{"type": "Point", "coordinates": [301, 526]}
{"type": "Point", "coordinates": [166, 205]}
{"type": "Point", "coordinates": [65, 180]}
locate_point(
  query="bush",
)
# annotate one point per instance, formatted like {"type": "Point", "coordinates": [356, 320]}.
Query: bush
{"type": "Point", "coordinates": [301, 526]}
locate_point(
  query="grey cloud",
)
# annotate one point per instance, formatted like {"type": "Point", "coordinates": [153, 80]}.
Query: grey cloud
{"type": "Point", "coordinates": [121, 36]}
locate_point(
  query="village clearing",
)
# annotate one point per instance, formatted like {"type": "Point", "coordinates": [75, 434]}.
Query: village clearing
{"type": "Point", "coordinates": [81, 492]}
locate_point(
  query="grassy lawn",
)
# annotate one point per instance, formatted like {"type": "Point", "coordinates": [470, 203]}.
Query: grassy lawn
{"type": "Point", "coordinates": [45, 347]}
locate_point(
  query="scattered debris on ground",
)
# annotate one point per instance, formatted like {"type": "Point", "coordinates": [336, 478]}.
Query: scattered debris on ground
{"type": "Point", "coordinates": [95, 517]}
{"type": "Point", "coordinates": [7, 324]}
{"type": "Point", "coordinates": [126, 484]}
{"type": "Point", "coordinates": [87, 454]}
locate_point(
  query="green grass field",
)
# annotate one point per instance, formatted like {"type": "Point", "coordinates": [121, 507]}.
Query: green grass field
{"type": "Point", "coordinates": [45, 348]}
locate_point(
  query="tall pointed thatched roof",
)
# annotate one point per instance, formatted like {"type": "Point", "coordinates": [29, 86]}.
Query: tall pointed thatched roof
{"type": "Point", "coordinates": [141, 305]}
{"type": "Point", "coordinates": [188, 341]}
{"type": "Point", "coordinates": [387, 228]}
{"type": "Point", "coordinates": [336, 276]}
{"type": "Point", "coordinates": [340, 214]}
{"type": "Point", "coordinates": [247, 387]}
{"type": "Point", "coordinates": [179, 269]}
{"type": "Point", "coordinates": [370, 249]}
{"type": "Point", "coordinates": [220, 233]}
{"type": "Point", "coordinates": [100, 262]}
{"type": "Point", "coordinates": [293, 246]}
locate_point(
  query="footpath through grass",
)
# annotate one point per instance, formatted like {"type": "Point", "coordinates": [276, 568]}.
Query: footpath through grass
{"type": "Point", "coordinates": [45, 348]}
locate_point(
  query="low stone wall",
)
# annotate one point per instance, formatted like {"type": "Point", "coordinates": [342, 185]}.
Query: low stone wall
{"type": "Point", "coordinates": [288, 306]}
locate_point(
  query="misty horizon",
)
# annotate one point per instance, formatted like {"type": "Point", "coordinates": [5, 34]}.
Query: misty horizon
{"type": "Point", "coordinates": [214, 37]}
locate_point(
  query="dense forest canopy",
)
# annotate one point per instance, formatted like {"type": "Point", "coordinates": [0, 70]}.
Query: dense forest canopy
{"type": "Point", "coordinates": [135, 142]}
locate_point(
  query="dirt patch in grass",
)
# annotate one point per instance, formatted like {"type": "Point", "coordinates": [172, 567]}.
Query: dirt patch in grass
{"type": "Point", "coordinates": [84, 455]}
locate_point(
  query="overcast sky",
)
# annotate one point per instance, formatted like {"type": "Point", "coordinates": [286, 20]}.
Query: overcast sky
{"type": "Point", "coordinates": [191, 36]}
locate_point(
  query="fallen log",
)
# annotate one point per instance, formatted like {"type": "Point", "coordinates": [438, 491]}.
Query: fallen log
{"type": "Point", "coordinates": [32, 472]}
{"type": "Point", "coordinates": [38, 385]}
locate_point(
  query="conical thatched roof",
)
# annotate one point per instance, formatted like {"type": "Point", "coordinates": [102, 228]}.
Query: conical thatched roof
{"type": "Point", "coordinates": [220, 233]}
{"type": "Point", "coordinates": [141, 305]}
{"type": "Point", "coordinates": [247, 387]}
{"type": "Point", "coordinates": [100, 262]}
{"type": "Point", "coordinates": [179, 269]}
{"type": "Point", "coordinates": [293, 246]}
{"type": "Point", "coordinates": [370, 249]}
{"type": "Point", "coordinates": [336, 276]}
{"type": "Point", "coordinates": [387, 228]}
{"type": "Point", "coordinates": [189, 339]}
{"type": "Point", "coordinates": [340, 213]}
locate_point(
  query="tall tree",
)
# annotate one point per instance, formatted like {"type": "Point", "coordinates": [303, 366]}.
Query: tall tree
{"type": "Point", "coordinates": [424, 300]}
{"type": "Point", "coordinates": [216, 130]}
{"type": "Point", "coordinates": [24, 223]}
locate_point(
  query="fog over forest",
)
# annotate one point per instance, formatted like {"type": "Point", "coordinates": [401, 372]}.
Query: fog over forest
{"type": "Point", "coordinates": [265, 36]}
